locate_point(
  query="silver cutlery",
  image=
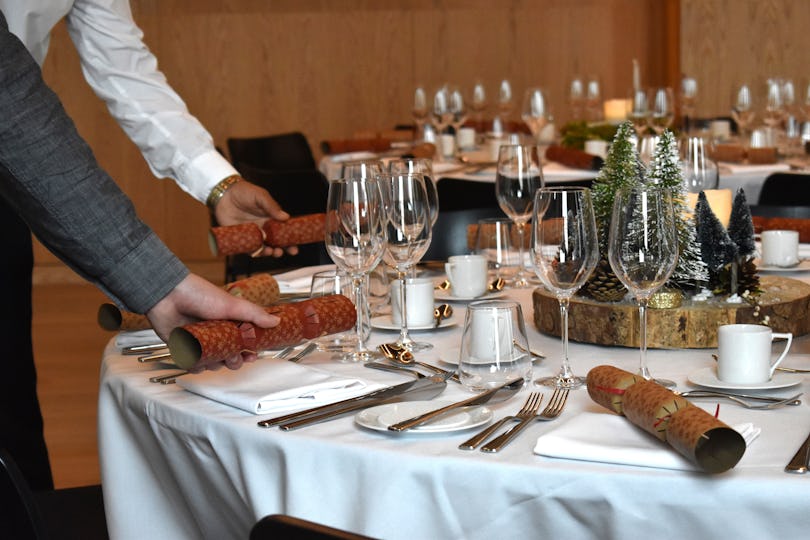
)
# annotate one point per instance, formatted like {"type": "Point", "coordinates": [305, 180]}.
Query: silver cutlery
{"type": "Point", "coordinates": [769, 402]}
{"type": "Point", "coordinates": [530, 408]}
{"type": "Point", "coordinates": [284, 353]}
{"type": "Point", "coordinates": [372, 398]}
{"type": "Point", "coordinates": [140, 349]}
{"type": "Point", "coordinates": [503, 392]}
{"type": "Point", "coordinates": [311, 346]}
{"type": "Point", "coordinates": [167, 379]}
{"type": "Point", "coordinates": [397, 369]}
{"type": "Point", "coordinates": [801, 461]}
{"type": "Point", "coordinates": [155, 357]}
{"type": "Point", "coordinates": [552, 411]}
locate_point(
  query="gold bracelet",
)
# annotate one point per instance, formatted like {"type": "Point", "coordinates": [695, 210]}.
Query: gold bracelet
{"type": "Point", "coordinates": [219, 191]}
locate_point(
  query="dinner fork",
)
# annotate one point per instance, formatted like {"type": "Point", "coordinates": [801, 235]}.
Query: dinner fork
{"type": "Point", "coordinates": [529, 409]}
{"type": "Point", "coordinates": [303, 352]}
{"type": "Point", "coordinates": [552, 411]}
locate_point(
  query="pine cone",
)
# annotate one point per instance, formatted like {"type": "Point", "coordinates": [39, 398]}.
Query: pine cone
{"type": "Point", "coordinates": [747, 279]}
{"type": "Point", "coordinates": [603, 285]}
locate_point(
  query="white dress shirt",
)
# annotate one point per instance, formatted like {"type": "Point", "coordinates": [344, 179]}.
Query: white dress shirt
{"type": "Point", "coordinates": [124, 73]}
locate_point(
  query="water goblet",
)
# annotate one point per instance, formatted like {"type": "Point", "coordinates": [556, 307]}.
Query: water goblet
{"type": "Point", "coordinates": [422, 167]}
{"type": "Point", "coordinates": [355, 241]}
{"type": "Point", "coordinates": [643, 250]}
{"type": "Point", "coordinates": [565, 250]}
{"type": "Point", "coordinates": [494, 345]}
{"type": "Point", "coordinates": [519, 175]}
{"type": "Point", "coordinates": [407, 237]}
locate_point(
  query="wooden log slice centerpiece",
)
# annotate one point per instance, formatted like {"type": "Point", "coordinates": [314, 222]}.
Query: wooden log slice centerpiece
{"type": "Point", "coordinates": [784, 305]}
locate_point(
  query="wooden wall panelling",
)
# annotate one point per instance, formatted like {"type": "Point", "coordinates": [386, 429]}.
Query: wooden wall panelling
{"type": "Point", "coordinates": [329, 69]}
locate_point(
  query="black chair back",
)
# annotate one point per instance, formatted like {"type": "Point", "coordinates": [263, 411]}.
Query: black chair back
{"type": "Point", "coordinates": [785, 189]}
{"type": "Point", "coordinates": [279, 527]}
{"type": "Point", "coordinates": [282, 152]}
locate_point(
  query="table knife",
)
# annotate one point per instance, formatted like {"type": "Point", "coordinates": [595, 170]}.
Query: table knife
{"type": "Point", "coordinates": [505, 390]}
{"type": "Point", "coordinates": [801, 461]}
{"type": "Point", "coordinates": [424, 389]}
{"type": "Point", "coordinates": [386, 392]}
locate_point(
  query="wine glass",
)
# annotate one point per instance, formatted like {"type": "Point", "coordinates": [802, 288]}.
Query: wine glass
{"type": "Point", "coordinates": [422, 167]}
{"type": "Point", "coordinates": [441, 112]}
{"type": "Point", "coordinates": [420, 111]}
{"type": "Point", "coordinates": [576, 98]}
{"type": "Point", "coordinates": [593, 99]}
{"type": "Point", "coordinates": [565, 250]}
{"type": "Point", "coordinates": [519, 175]}
{"type": "Point", "coordinates": [638, 110]}
{"type": "Point", "coordinates": [774, 112]}
{"type": "Point", "coordinates": [535, 111]}
{"type": "Point", "coordinates": [662, 109]}
{"type": "Point", "coordinates": [458, 107]}
{"type": "Point", "coordinates": [742, 109]}
{"type": "Point", "coordinates": [699, 171]}
{"type": "Point", "coordinates": [493, 240]}
{"type": "Point", "coordinates": [362, 168]}
{"type": "Point", "coordinates": [407, 235]}
{"type": "Point", "coordinates": [643, 250]}
{"type": "Point", "coordinates": [505, 103]}
{"type": "Point", "coordinates": [478, 103]}
{"type": "Point", "coordinates": [355, 241]}
{"type": "Point", "coordinates": [688, 99]}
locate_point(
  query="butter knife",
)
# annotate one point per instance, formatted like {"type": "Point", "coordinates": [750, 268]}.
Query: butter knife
{"type": "Point", "coordinates": [506, 390]}
{"type": "Point", "coordinates": [801, 461]}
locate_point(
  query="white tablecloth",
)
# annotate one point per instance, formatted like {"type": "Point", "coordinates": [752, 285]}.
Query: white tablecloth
{"type": "Point", "coordinates": [178, 466]}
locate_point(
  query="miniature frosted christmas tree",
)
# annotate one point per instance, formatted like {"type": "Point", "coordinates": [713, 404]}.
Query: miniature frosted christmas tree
{"type": "Point", "coordinates": [665, 170]}
{"type": "Point", "coordinates": [622, 168]}
{"type": "Point", "coordinates": [717, 249]}
{"type": "Point", "coordinates": [743, 272]}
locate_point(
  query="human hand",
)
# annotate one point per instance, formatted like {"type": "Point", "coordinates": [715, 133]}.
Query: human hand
{"type": "Point", "coordinates": [195, 299]}
{"type": "Point", "coordinates": [244, 202]}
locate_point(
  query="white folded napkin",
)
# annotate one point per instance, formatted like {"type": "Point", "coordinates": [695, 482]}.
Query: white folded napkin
{"type": "Point", "coordinates": [136, 337]}
{"type": "Point", "coordinates": [300, 279]}
{"type": "Point", "coordinates": [741, 168]}
{"type": "Point", "coordinates": [610, 438]}
{"type": "Point", "coordinates": [271, 385]}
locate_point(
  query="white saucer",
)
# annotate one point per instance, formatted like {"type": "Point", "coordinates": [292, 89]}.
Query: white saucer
{"type": "Point", "coordinates": [384, 322]}
{"type": "Point", "coordinates": [448, 296]}
{"type": "Point", "coordinates": [380, 417]}
{"type": "Point", "coordinates": [803, 266]}
{"type": "Point", "coordinates": [708, 377]}
{"type": "Point", "coordinates": [450, 355]}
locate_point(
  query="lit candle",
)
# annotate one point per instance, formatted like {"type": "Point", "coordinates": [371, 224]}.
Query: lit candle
{"type": "Point", "coordinates": [615, 110]}
{"type": "Point", "coordinates": [636, 75]}
{"type": "Point", "coordinates": [719, 201]}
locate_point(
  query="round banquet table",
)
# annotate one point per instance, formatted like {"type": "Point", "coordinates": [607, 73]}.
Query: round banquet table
{"type": "Point", "coordinates": [176, 465]}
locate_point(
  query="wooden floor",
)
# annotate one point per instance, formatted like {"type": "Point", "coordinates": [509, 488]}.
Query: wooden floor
{"type": "Point", "coordinates": [68, 344]}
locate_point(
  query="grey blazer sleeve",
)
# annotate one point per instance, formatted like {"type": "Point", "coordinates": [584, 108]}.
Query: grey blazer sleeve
{"type": "Point", "coordinates": [49, 174]}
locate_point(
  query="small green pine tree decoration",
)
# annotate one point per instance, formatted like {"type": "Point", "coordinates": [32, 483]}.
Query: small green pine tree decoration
{"type": "Point", "coordinates": [665, 170]}
{"type": "Point", "coordinates": [741, 226]}
{"type": "Point", "coordinates": [717, 249]}
{"type": "Point", "coordinates": [622, 168]}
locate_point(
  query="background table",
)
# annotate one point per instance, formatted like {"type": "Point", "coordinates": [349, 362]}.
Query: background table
{"type": "Point", "coordinates": [176, 465]}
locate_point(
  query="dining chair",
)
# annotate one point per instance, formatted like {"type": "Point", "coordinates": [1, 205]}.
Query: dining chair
{"type": "Point", "coordinates": [71, 513]}
{"type": "Point", "coordinates": [277, 526]}
{"type": "Point", "coordinates": [299, 192]}
{"type": "Point", "coordinates": [280, 152]}
{"type": "Point", "coordinates": [785, 189]}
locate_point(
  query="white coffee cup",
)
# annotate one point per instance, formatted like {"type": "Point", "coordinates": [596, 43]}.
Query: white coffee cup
{"type": "Point", "coordinates": [780, 248]}
{"type": "Point", "coordinates": [467, 275]}
{"type": "Point", "coordinates": [745, 353]}
{"type": "Point", "coordinates": [466, 138]}
{"type": "Point", "coordinates": [419, 302]}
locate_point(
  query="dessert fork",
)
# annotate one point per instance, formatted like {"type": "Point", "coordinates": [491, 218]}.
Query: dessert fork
{"type": "Point", "coordinates": [529, 409]}
{"type": "Point", "coordinates": [552, 411]}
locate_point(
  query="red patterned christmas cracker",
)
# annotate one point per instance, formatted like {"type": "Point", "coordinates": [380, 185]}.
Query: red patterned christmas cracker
{"type": "Point", "coordinates": [261, 289]}
{"type": "Point", "coordinates": [233, 239]}
{"type": "Point", "coordinates": [691, 431]}
{"type": "Point", "coordinates": [250, 238]}
{"type": "Point", "coordinates": [209, 342]}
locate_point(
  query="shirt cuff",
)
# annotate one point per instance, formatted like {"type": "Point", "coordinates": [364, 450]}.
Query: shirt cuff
{"type": "Point", "coordinates": [204, 172]}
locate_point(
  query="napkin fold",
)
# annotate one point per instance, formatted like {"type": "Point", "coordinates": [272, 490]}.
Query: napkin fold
{"type": "Point", "coordinates": [270, 385]}
{"type": "Point", "coordinates": [610, 438]}
{"type": "Point", "coordinates": [136, 337]}
{"type": "Point", "coordinates": [300, 279]}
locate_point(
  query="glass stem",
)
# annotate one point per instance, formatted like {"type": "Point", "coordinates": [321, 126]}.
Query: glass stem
{"type": "Point", "coordinates": [360, 307]}
{"type": "Point", "coordinates": [565, 370]}
{"type": "Point", "coordinates": [520, 273]}
{"type": "Point", "coordinates": [642, 316]}
{"type": "Point", "coordinates": [404, 338]}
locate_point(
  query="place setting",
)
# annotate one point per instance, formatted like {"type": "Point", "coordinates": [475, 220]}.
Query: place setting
{"type": "Point", "coordinates": [468, 280]}
{"type": "Point", "coordinates": [780, 253]}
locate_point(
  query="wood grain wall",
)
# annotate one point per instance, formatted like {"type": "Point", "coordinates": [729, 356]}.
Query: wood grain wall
{"type": "Point", "coordinates": [331, 68]}
{"type": "Point", "coordinates": [724, 42]}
